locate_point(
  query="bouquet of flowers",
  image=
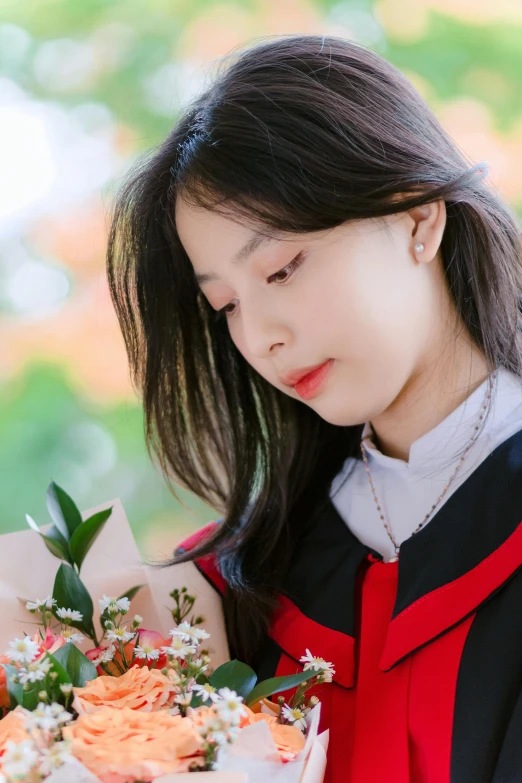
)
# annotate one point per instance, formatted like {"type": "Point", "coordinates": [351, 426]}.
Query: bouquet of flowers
{"type": "Point", "coordinates": [137, 705]}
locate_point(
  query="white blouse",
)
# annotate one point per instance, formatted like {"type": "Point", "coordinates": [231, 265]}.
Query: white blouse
{"type": "Point", "coordinates": [407, 490]}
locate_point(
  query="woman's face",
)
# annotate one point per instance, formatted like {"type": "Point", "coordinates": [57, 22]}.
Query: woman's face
{"type": "Point", "coordinates": [358, 294]}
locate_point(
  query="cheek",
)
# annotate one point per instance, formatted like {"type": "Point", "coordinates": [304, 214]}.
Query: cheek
{"type": "Point", "coordinates": [373, 311]}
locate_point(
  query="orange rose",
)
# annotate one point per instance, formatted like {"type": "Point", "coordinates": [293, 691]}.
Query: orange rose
{"type": "Point", "coordinates": [124, 745]}
{"type": "Point", "coordinates": [147, 639]}
{"type": "Point", "coordinates": [289, 740]}
{"type": "Point", "coordinates": [12, 728]}
{"type": "Point", "coordinates": [139, 688]}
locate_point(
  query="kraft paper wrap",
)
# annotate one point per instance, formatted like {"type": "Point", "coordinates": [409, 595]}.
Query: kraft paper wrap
{"type": "Point", "coordinates": [112, 566]}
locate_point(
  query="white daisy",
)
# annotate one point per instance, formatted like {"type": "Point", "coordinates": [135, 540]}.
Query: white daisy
{"type": "Point", "coordinates": [178, 648]}
{"type": "Point", "coordinates": [120, 634]}
{"type": "Point", "coordinates": [105, 656]}
{"type": "Point", "coordinates": [229, 705]}
{"type": "Point", "coordinates": [150, 653]}
{"type": "Point", "coordinates": [205, 691]}
{"type": "Point", "coordinates": [71, 637]}
{"type": "Point", "coordinates": [108, 654]}
{"type": "Point", "coordinates": [189, 633]}
{"type": "Point", "coordinates": [22, 650]}
{"type": "Point", "coordinates": [295, 716]}
{"type": "Point", "coordinates": [19, 758]}
{"type": "Point", "coordinates": [318, 664]}
{"type": "Point", "coordinates": [69, 614]}
{"type": "Point", "coordinates": [182, 630]}
{"type": "Point", "coordinates": [48, 603]}
{"type": "Point", "coordinates": [34, 671]}
{"type": "Point", "coordinates": [113, 605]}
{"type": "Point", "coordinates": [105, 602]}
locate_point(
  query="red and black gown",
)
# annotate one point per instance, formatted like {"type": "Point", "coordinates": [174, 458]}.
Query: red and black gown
{"type": "Point", "coordinates": [427, 650]}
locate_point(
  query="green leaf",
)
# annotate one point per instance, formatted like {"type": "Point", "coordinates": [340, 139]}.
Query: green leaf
{"type": "Point", "coordinates": [63, 510]}
{"type": "Point", "coordinates": [30, 698]}
{"type": "Point", "coordinates": [78, 666]}
{"type": "Point", "coordinates": [86, 534]}
{"type": "Point", "coordinates": [53, 539]}
{"type": "Point", "coordinates": [71, 593]}
{"type": "Point", "coordinates": [52, 685]}
{"type": "Point", "coordinates": [278, 684]}
{"type": "Point", "coordinates": [130, 593]}
{"type": "Point", "coordinates": [235, 675]}
{"type": "Point", "coordinates": [54, 534]}
{"type": "Point", "coordinates": [15, 690]}
{"type": "Point", "coordinates": [63, 676]}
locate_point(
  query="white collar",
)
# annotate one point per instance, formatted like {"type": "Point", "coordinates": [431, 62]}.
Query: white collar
{"type": "Point", "coordinates": [454, 432]}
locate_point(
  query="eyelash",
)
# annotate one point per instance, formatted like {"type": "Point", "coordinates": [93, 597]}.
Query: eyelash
{"type": "Point", "coordinates": [294, 263]}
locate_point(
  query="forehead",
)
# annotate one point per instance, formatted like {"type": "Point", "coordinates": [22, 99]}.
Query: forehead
{"type": "Point", "coordinates": [207, 235]}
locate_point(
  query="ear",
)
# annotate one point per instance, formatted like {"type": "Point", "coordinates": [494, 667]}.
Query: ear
{"type": "Point", "coordinates": [427, 228]}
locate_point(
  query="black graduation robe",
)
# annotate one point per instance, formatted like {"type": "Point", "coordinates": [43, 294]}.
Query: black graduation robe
{"type": "Point", "coordinates": [427, 650]}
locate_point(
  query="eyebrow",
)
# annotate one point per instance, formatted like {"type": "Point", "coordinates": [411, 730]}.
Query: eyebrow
{"type": "Point", "coordinates": [256, 240]}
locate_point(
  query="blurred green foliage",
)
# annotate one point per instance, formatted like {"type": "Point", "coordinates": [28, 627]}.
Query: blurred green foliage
{"type": "Point", "coordinates": [96, 452]}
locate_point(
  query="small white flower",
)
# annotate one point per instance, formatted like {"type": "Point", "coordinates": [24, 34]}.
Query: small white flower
{"type": "Point", "coordinates": [120, 634]}
{"type": "Point", "coordinates": [182, 630]}
{"type": "Point", "coordinates": [184, 699]}
{"type": "Point", "coordinates": [46, 717]}
{"type": "Point", "coordinates": [48, 603]}
{"type": "Point", "coordinates": [137, 619]}
{"type": "Point", "coordinates": [178, 648]}
{"type": "Point", "coordinates": [318, 664]}
{"type": "Point", "coordinates": [22, 650]}
{"type": "Point", "coordinates": [69, 614]}
{"type": "Point", "coordinates": [105, 602]}
{"type": "Point", "coordinates": [19, 758]}
{"type": "Point", "coordinates": [219, 737]}
{"type": "Point", "coordinates": [105, 656]}
{"type": "Point", "coordinates": [34, 671]}
{"type": "Point", "coordinates": [215, 730]}
{"type": "Point", "coordinates": [55, 756]}
{"type": "Point", "coordinates": [113, 605]}
{"type": "Point", "coordinates": [71, 637]}
{"type": "Point", "coordinates": [189, 633]}
{"type": "Point", "coordinates": [295, 716]}
{"type": "Point", "coordinates": [205, 691]}
{"type": "Point", "coordinates": [198, 634]}
{"type": "Point", "coordinates": [123, 604]}
{"type": "Point", "coordinates": [66, 687]}
{"type": "Point", "coordinates": [150, 653]}
{"type": "Point", "coordinates": [229, 705]}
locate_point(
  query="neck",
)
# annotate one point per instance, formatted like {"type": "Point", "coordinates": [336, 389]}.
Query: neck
{"type": "Point", "coordinates": [424, 401]}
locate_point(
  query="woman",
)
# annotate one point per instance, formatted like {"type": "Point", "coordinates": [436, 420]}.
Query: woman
{"type": "Point", "coordinates": [309, 211]}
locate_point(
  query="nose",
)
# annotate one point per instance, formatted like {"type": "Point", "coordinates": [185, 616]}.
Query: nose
{"type": "Point", "coordinates": [262, 328]}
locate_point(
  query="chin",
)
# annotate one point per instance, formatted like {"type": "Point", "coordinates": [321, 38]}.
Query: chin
{"type": "Point", "coordinates": [338, 418]}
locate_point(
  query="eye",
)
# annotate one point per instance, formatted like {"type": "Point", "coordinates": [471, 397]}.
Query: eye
{"type": "Point", "coordinates": [294, 264]}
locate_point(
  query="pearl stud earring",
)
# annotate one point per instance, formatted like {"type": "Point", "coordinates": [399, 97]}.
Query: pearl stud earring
{"type": "Point", "coordinates": [419, 248]}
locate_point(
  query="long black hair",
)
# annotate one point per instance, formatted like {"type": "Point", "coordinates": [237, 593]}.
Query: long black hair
{"type": "Point", "coordinates": [297, 133]}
